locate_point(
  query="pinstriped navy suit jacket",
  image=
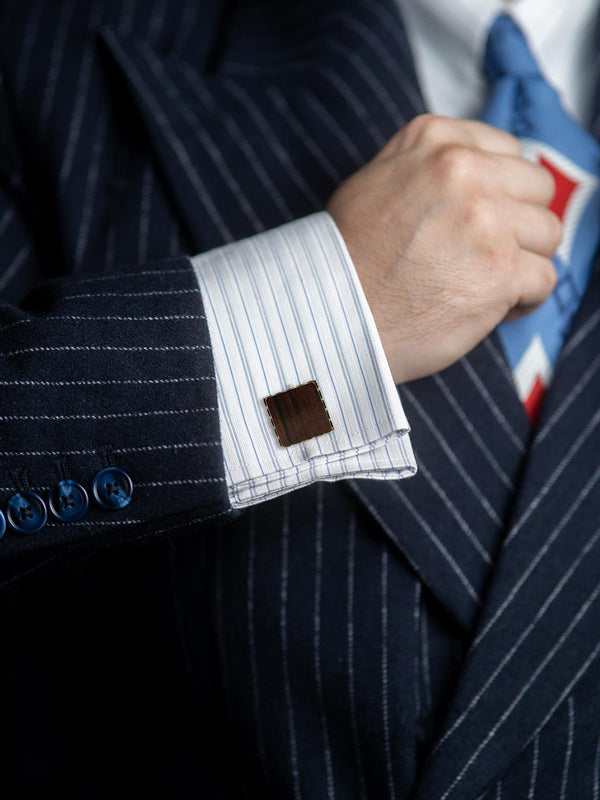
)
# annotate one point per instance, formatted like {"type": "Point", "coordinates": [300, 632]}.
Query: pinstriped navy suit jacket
{"type": "Point", "coordinates": [433, 638]}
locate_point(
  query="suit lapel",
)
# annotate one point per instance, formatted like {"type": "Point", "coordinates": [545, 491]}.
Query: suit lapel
{"type": "Point", "coordinates": [267, 136]}
{"type": "Point", "coordinates": [538, 630]}
{"type": "Point", "coordinates": [470, 436]}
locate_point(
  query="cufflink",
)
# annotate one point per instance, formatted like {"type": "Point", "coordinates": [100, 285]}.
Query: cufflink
{"type": "Point", "coordinates": [298, 414]}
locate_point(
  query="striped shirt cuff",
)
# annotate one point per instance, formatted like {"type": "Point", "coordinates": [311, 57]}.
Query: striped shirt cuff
{"type": "Point", "coordinates": [286, 307]}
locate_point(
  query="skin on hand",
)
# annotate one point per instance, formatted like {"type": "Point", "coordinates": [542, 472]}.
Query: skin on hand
{"type": "Point", "coordinates": [450, 233]}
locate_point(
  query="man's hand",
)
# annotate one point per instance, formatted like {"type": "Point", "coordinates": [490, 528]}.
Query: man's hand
{"type": "Point", "coordinates": [450, 233]}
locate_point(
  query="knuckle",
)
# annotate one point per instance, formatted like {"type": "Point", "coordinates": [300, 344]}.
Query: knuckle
{"type": "Point", "coordinates": [504, 259]}
{"type": "Point", "coordinates": [514, 145]}
{"type": "Point", "coordinates": [501, 254]}
{"type": "Point", "coordinates": [509, 251]}
{"type": "Point", "coordinates": [500, 257]}
{"type": "Point", "coordinates": [416, 123]}
{"type": "Point", "coordinates": [431, 128]}
{"type": "Point", "coordinates": [413, 130]}
{"type": "Point", "coordinates": [420, 130]}
{"type": "Point", "coordinates": [483, 218]}
{"type": "Point", "coordinates": [454, 164]}
{"type": "Point", "coordinates": [396, 142]}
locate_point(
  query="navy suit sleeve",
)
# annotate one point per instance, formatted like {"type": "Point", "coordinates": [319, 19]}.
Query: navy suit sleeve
{"type": "Point", "coordinates": [111, 369]}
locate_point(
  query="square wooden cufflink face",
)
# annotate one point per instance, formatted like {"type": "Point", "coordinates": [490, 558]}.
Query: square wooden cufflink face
{"type": "Point", "coordinates": [298, 414]}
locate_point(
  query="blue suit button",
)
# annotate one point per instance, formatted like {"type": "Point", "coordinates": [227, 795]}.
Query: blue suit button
{"type": "Point", "coordinates": [68, 501]}
{"type": "Point", "coordinates": [112, 488]}
{"type": "Point", "coordinates": [26, 512]}
{"type": "Point", "coordinates": [2, 524]}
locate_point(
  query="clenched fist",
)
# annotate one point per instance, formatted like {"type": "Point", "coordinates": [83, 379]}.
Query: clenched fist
{"type": "Point", "coordinates": [450, 233]}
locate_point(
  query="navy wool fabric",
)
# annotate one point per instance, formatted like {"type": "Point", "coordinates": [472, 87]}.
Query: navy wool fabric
{"type": "Point", "coordinates": [431, 638]}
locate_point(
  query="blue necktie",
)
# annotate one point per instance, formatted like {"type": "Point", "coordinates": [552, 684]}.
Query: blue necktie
{"type": "Point", "coordinates": [523, 103]}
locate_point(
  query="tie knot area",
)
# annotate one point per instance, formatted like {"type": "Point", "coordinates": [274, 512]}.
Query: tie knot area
{"type": "Point", "coordinates": [507, 51]}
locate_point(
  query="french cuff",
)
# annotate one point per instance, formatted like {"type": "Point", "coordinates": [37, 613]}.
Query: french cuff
{"type": "Point", "coordinates": [304, 388]}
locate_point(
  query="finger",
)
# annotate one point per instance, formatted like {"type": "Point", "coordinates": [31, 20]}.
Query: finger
{"type": "Point", "coordinates": [535, 281]}
{"type": "Point", "coordinates": [491, 139]}
{"type": "Point", "coordinates": [435, 130]}
{"type": "Point", "coordinates": [518, 178]}
{"type": "Point", "coordinates": [535, 228]}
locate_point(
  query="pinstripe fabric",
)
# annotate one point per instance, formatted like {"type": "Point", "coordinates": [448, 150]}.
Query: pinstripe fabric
{"type": "Point", "coordinates": [436, 637]}
{"type": "Point", "coordinates": [545, 581]}
{"type": "Point", "coordinates": [137, 334]}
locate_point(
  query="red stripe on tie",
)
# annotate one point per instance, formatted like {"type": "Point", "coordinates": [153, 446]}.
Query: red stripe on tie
{"type": "Point", "coordinates": [563, 191]}
{"type": "Point", "coordinates": [534, 402]}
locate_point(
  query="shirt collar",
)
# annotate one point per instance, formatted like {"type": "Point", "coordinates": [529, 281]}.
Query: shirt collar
{"type": "Point", "coordinates": [449, 38]}
{"type": "Point", "coordinates": [464, 23]}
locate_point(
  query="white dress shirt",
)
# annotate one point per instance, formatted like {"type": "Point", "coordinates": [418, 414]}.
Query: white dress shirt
{"type": "Point", "coordinates": [286, 306]}
{"type": "Point", "coordinates": [448, 42]}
